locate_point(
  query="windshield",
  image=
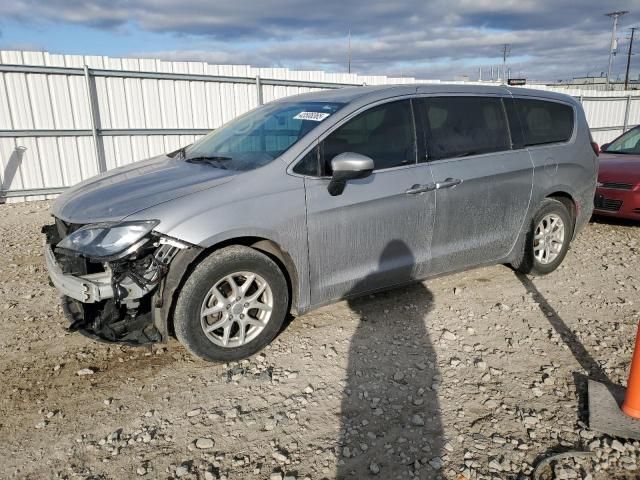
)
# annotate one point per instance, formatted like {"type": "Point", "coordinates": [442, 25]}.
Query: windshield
{"type": "Point", "coordinates": [259, 136]}
{"type": "Point", "coordinates": [629, 143]}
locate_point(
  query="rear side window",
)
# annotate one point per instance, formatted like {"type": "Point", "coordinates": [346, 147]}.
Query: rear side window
{"type": "Point", "coordinates": [544, 122]}
{"type": "Point", "coordinates": [464, 126]}
{"type": "Point", "coordinates": [384, 133]}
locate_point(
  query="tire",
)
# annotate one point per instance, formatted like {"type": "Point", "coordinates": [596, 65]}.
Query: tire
{"type": "Point", "coordinates": [532, 259]}
{"type": "Point", "coordinates": [209, 288]}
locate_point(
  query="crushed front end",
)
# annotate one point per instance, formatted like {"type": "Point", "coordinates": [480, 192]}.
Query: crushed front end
{"type": "Point", "coordinates": [108, 294]}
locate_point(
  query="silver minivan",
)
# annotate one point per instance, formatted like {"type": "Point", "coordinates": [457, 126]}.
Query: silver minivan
{"type": "Point", "coordinates": [291, 206]}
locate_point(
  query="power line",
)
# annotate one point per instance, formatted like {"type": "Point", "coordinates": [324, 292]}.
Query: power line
{"type": "Point", "coordinates": [349, 54]}
{"type": "Point", "coordinates": [614, 44]}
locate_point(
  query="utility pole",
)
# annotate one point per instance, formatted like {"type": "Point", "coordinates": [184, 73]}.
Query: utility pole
{"type": "Point", "coordinates": [506, 50]}
{"type": "Point", "coordinates": [626, 77]}
{"type": "Point", "coordinates": [349, 54]}
{"type": "Point", "coordinates": [614, 43]}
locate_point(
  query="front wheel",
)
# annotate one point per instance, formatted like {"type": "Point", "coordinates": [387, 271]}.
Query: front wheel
{"type": "Point", "coordinates": [232, 305]}
{"type": "Point", "coordinates": [547, 240]}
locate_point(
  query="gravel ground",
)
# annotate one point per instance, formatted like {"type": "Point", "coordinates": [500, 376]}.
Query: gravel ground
{"type": "Point", "coordinates": [475, 375]}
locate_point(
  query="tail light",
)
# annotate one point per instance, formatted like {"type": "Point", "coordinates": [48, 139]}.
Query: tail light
{"type": "Point", "coordinates": [596, 148]}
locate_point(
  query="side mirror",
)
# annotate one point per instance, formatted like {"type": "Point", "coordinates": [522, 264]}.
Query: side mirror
{"type": "Point", "coordinates": [604, 146]}
{"type": "Point", "coordinates": [348, 166]}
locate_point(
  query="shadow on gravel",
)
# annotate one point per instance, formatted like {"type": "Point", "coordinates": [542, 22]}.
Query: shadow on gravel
{"type": "Point", "coordinates": [10, 170]}
{"type": "Point", "coordinates": [390, 417]}
{"type": "Point", "coordinates": [580, 353]}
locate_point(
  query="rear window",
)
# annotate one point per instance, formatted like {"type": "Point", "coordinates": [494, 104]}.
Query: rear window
{"type": "Point", "coordinates": [464, 126]}
{"type": "Point", "coordinates": [544, 122]}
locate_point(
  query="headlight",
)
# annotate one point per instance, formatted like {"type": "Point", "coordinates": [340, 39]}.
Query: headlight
{"type": "Point", "coordinates": [107, 240]}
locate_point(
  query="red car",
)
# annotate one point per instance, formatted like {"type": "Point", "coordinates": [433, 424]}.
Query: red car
{"type": "Point", "coordinates": [618, 189]}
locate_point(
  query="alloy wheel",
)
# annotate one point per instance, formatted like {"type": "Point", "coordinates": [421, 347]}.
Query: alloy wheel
{"type": "Point", "coordinates": [236, 309]}
{"type": "Point", "coordinates": [548, 238]}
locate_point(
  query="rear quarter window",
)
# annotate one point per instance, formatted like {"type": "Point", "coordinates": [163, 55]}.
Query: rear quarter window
{"type": "Point", "coordinates": [543, 121]}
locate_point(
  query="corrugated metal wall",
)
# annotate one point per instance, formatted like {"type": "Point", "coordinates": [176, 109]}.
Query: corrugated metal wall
{"type": "Point", "coordinates": [62, 122]}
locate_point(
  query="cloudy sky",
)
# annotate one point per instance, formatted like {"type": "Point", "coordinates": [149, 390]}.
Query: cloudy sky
{"type": "Point", "coordinates": [549, 39]}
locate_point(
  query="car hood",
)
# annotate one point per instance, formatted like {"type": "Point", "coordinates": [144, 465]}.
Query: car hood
{"type": "Point", "coordinates": [121, 192]}
{"type": "Point", "coordinates": [619, 167]}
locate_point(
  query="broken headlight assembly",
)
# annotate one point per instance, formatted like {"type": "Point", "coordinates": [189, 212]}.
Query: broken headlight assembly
{"type": "Point", "coordinates": [108, 241]}
{"type": "Point", "coordinates": [111, 276]}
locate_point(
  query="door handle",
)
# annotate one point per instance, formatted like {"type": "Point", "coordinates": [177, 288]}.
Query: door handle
{"type": "Point", "coordinates": [417, 189]}
{"type": "Point", "coordinates": [448, 183]}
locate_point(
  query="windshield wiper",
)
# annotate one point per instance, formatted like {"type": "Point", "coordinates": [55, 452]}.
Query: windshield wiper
{"type": "Point", "coordinates": [207, 158]}
{"type": "Point", "coordinates": [216, 160]}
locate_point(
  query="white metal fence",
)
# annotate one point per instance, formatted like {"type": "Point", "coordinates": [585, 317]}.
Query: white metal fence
{"type": "Point", "coordinates": [65, 118]}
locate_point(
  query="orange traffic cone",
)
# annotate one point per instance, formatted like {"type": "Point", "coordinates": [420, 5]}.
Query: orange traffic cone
{"type": "Point", "coordinates": [631, 404]}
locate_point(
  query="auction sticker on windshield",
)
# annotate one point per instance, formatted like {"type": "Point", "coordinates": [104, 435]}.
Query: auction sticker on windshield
{"type": "Point", "coordinates": [313, 116]}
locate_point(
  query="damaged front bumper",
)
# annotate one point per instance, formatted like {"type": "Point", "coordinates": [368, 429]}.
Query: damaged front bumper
{"type": "Point", "coordinates": [114, 301]}
{"type": "Point", "coordinates": [90, 288]}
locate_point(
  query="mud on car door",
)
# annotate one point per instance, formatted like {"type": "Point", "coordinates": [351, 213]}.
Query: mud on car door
{"type": "Point", "coordinates": [349, 232]}
{"type": "Point", "coordinates": [483, 182]}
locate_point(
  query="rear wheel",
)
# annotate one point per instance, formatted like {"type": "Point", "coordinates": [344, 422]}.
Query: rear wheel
{"type": "Point", "coordinates": [547, 240]}
{"type": "Point", "coordinates": [232, 305]}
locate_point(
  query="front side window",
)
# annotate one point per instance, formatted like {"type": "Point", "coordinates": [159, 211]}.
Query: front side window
{"type": "Point", "coordinates": [259, 136]}
{"type": "Point", "coordinates": [464, 126]}
{"type": "Point", "coordinates": [629, 143]}
{"type": "Point", "coordinates": [544, 122]}
{"type": "Point", "coordinates": [384, 133]}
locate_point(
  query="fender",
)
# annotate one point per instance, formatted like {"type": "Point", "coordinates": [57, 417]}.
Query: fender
{"type": "Point", "coordinates": [186, 260]}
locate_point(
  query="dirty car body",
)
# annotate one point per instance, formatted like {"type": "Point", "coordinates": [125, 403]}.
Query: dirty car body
{"type": "Point", "coordinates": [457, 193]}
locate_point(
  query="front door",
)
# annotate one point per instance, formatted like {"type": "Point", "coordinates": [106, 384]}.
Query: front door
{"type": "Point", "coordinates": [483, 184]}
{"type": "Point", "coordinates": [377, 233]}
